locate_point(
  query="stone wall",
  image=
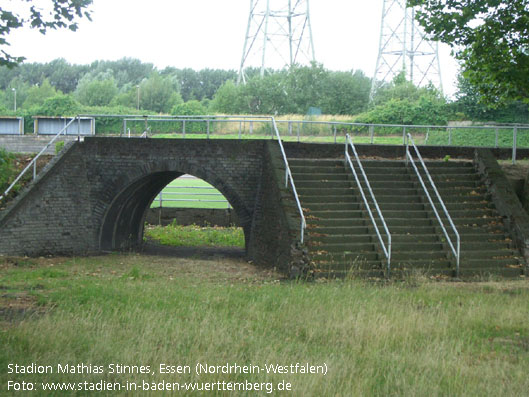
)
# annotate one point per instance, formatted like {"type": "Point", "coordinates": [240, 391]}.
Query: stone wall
{"type": "Point", "coordinates": [30, 143]}
{"type": "Point", "coordinates": [94, 195]}
{"type": "Point", "coordinates": [276, 223]}
{"type": "Point", "coordinates": [505, 199]}
{"type": "Point", "coordinates": [192, 216]}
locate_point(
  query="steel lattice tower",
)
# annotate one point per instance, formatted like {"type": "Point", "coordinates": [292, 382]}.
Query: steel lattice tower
{"type": "Point", "coordinates": [279, 34]}
{"type": "Point", "coordinates": [405, 47]}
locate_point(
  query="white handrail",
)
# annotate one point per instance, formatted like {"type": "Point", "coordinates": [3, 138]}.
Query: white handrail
{"type": "Point", "coordinates": [387, 250]}
{"type": "Point", "coordinates": [455, 250]}
{"type": "Point", "coordinates": [34, 161]}
{"type": "Point", "coordinates": [288, 177]}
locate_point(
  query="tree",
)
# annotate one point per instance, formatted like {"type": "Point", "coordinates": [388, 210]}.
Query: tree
{"type": "Point", "coordinates": [490, 37]}
{"type": "Point", "coordinates": [53, 14]}
{"type": "Point", "coordinates": [401, 102]}
{"type": "Point", "coordinates": [38, 93]}
{"type": "Point", "coordinates": [96, 92]}
{"type": "Point", "coordinates": [191, 108]}
{"type": "Point", "coordinates": [469, 106]}
{"type": "Point", "coordinates": [159, 94]}
{"type": "Point", "coordinates": [60, 105]}
{"type": "Point", "coordinates": [227, 99]}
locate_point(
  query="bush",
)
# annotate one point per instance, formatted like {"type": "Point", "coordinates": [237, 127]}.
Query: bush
{"type": "Point", "coordinates": [59, 146]}
{"type": "Point", "coordinates": [7, 169]}
{"type": "Point", "coordinates": [191, 108]}
{"type": "Point", "coordinates": [59, 105]}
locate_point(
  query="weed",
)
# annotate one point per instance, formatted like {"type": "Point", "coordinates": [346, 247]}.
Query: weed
{"type": "Point", "coordinates": [196, 236]}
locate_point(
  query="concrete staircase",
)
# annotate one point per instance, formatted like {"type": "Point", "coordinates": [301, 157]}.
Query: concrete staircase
{"type": "Point", "coordinates": [342, 240]}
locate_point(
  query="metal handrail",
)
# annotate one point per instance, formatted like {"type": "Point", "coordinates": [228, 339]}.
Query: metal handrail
{"type": "Point", "coordinates": [34, 161]}
{"type": "Point", "coordinates": [387, 250]}
{"type": "Point", "coordinates": [455, 250]}
{"type": "Point", "coordinates": [162, 196]}
{"type": "Point", "coordinates": [289, 178]}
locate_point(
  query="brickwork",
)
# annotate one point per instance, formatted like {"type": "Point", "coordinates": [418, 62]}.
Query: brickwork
{"type": "Point", "coordinates": [30, 143]}
{"type": "Point", "coordinates": [94, 196]}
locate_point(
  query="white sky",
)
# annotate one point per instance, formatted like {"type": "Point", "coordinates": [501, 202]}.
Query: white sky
{"type": "Point", "coordinates": [209, 34]}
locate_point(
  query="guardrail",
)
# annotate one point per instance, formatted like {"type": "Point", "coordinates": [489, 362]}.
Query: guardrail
{"type": "Point", "coordinates": [409, 158]}
{"type": "Point", "coordinates": [289, 178]}
{"type": "Point", "coordinates": [173, 194]}
{"type": "Point", "coordinates": [507, 135]}
{"type": "Point", "coordinates": [386, 249]}
{"type": "Point", "coordinates": [33, 162]}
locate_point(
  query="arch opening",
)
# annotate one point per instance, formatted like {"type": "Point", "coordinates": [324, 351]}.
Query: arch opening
{"type": "Point", "coordinates": [124, 221]}
{"type": "Point", "coordinates": [189, 212]}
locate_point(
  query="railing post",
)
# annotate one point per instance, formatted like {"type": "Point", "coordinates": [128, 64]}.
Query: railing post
{"type": "Point", "coordinates": [78, 128]}
{"type": "Point", "coordinates": [449, 136]}
{"type": "Point", "coordinates": [403, 135]}
{"type": "Point", "coordinates": [160, 199]}
{"type": "Point", "coordinates": [207, 128]}
{"type": "Point", "coordinates": [372, 133]}
{"type": "Point", "coordinates": [334, 131]}
{"type": "Point", "coordinates": [290, 128]}
{"type": "Point", "coordinates": [407, 148]}
{"type": "Point", "coordinates": [183, 129]}
{"type": "Point", "coordinates": [497, 138]}
{"type": "Point", "coordinates": [124, 126]}
{"type": "Point", "coordinates": [251, 127]}
{"type": "Point", "coordinates": [299, 130]}
{"type": "Point", "coordinates": [240, 129]}
{"type": "Point", "coordinates": [514, 144]}
{"type": "Point", "coordinates": [34, 170]}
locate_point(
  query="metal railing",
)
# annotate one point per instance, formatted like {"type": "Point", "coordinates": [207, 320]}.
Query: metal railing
{"type": "Point", "coordinates": [386, 249]}
{"type": "Point", "coordinates": [496, 135]}
{"type": "Point", "coordinates": [289, 178]}
{"type": "Point", "coordinates": [456, 250]}
{"type": "Point", "coordinates": [173, 194]}
{"type": "Point", "coordinates": [33, 162]}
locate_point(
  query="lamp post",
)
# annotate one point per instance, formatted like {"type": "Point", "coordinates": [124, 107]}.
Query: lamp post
{"type": "Point", "coordinates": [138, 99]}
{"type": "Point", "coordinates": [15, 99]}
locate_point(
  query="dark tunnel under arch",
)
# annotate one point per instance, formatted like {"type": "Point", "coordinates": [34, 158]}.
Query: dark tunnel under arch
{"type": "Point", "coordinates": [123, 222]}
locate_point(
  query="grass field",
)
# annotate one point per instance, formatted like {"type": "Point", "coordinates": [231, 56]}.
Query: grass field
{"type": "Point", "coordinates": [412, 338]}
{"type": "Point", "coordinates": [199, 193]}
{"type": "Point", "coordinates": [177, 235]}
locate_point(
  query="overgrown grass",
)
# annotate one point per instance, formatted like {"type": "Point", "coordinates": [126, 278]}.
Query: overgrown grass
{"type": "Point", "coordinates": [407, 339]}
{"type": "Point", "coordinates": [7, 169]}
{"type": "Point", "coordinates": [196, 236]}
{"type": "Point", "coordinates": [477, 137]}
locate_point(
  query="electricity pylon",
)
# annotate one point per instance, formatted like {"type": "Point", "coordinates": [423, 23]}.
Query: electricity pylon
{"type": "Point", "coordinates": [279, 34]}
{"type": "Point", "coordinates": [404, 47]}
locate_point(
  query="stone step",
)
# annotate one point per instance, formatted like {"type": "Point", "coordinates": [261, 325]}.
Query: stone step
{"type": "Point", "coordinates": [319, 177]}
{"type": "Point", "coordinates": [380, 177]}
{"type": "Point", "coordinates": [469, 273]}
{"type": "Point", "coordinates": [347, 196]}
{"type": "Point", "coordinates": [481, 213]}
{"type": "Point", "coordinates": [425, 264]}
{"type": "Point", "coordinates": [410, 223]}
{"type": "Point", "coordinates": [336, 243]}
{"type": "Point", "coordinates": [438, 171]}
{"type": "Point", "coordinates": [396, 257]}
{"type": "Point", "coordinates": [404, 232]}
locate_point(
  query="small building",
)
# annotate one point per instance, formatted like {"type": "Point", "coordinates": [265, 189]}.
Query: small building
{"type": "Point", "coordinates": [45, 125]}
{"type": "Point", "coordinates": [11, 125]}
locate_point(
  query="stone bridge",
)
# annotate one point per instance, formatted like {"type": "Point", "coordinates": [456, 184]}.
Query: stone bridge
{"type": "Point", "coordinates": [93, 197]}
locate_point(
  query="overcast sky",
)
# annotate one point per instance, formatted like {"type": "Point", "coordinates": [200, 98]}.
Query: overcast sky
{"type": "Point", "coordinates": [209, 34]}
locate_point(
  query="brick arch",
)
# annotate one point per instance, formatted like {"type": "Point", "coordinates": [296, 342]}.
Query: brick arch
{"type": "Point", "coordinates": [124, 216]}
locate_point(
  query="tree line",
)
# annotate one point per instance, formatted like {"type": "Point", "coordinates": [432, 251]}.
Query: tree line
{"type": "Point", "coordinates": [129, 86]}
